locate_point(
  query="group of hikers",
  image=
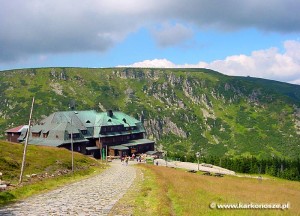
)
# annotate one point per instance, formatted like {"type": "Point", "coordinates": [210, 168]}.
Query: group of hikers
{"type": "Point", "coordinates": [140, 158]}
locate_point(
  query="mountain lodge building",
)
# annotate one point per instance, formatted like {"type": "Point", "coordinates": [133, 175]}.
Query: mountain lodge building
{"type": "Point", "coordinates": [92, 132]}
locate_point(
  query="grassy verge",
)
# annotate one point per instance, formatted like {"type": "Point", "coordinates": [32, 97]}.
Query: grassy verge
{"type": "Point", "coordinates": [41, 186]}
{"type": "Point", "coordinates": [46, 168]}
{"type": "Point", "coordinates": [144, 196]}
{"type": "Point", "coordinates": [167, 191]}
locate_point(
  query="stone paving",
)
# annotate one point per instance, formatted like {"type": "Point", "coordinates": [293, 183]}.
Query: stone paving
{"type": "Point", "coordinates": [94, 196]}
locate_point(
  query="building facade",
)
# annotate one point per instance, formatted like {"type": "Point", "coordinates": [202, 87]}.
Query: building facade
{"type": "Point", "coordinates": [92, 133]}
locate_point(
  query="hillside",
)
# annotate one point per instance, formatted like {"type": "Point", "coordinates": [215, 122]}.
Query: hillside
{"type": "Point", "coordinates": [184, 110]}
{"type": "Point", "coordinates": [46, 168]}
{"type": "Point", "coordinates": [39, 160]}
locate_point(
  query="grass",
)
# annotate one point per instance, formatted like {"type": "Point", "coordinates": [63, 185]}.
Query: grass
{"type": "Point", "coordinates": [51, 165]}
{"type": "Point", "coordinates": [167, 191]}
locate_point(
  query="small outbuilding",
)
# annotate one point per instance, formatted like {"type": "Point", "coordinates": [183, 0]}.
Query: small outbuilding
{"type": "Point", "coordinates": [14, 134]}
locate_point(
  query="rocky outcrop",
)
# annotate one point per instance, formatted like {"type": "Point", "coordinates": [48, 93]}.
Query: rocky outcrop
{"type": "Point", "coordinates": [156, 128]}
{"type": "Point", "coordinates": [57, 88]}
{"type": "Point", "coordinates": [58, 75]}
{"type": "Point", "coordinates": [129, 73]}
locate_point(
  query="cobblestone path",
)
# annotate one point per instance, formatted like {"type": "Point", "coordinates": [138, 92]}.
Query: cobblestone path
{"type": "Point", "coordinates": [93, 196]}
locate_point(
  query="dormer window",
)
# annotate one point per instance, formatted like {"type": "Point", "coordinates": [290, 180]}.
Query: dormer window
{"type": "Point", "coordinates": [36, 134]}
{"type": "Point", "coordinates": [88, 121]}
{"type": "Point", "coordinates": [45, 135]}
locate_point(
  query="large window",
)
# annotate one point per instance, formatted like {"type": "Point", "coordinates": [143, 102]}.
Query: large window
{"type": "Point", "coordinates": [35, 134]}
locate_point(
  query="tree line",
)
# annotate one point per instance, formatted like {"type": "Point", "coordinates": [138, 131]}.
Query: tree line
{"type": "Point", "coordinates": [278, 167]}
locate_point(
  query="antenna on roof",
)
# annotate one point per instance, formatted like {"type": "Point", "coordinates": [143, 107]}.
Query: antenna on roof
{"type": "Point", "coordinates": [72, 104]}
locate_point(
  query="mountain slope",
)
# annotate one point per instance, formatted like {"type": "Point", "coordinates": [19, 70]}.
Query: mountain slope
{"type": "Point", "coordinates": [184, 110]}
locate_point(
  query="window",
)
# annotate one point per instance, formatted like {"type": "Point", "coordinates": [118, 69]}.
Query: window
{"type": "Point", "coordinates": [84, 132]}
{"type": "Point", "coordinates": [34, 134]}
{"type": "Point", "coordinates": [45, 135]}
{"type": "Point", "coordinates": [74, 135]}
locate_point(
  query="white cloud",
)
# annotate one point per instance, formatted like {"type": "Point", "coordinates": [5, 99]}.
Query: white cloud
{"type": "Point", "coordinates": [155, 63]}
{"type": "Point", "coordinates": [268, 64]}
{"type": "Point", "coordinates": [169, 35]}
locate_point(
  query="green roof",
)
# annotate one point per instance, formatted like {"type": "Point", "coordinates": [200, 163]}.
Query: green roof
{"type": "Point", "coordinates": [59, 125]}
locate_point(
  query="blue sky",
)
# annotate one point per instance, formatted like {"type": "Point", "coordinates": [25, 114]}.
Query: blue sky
{"type": "Point", "coordinates": [240, 38]}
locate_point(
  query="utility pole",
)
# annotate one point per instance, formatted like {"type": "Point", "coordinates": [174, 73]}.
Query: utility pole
{"type": "Point", "coordinates": [100, 150]}
{"type": "Point", "coordinates": [72, 107]}
{"type": "Point", "coordinates": [72, 149]}
{"type": "Point", "coordinates": [106, 154]}
{"type": "Point", "coordinates": [198, 156]}
{"type": "Point", "coordinates": [26, 143]}
{"type": "Point", "coordinates": [166, 158]}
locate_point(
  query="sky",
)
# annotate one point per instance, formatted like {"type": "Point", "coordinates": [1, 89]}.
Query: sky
{"type": "Point", "coordinates": [240, 38]}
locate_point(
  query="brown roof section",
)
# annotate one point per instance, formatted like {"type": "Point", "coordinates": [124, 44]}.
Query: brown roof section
{"type": "Point", "coordinates": [17, 129]}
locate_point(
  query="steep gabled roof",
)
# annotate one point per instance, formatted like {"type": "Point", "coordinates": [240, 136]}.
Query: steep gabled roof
{"type": "Point", "coordinates": [64, 117]}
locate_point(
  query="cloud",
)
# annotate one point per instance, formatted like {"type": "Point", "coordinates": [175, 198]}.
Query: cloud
{"type": "Point", "coordinates": [155, 63]}
{"type": "Point", "coordinates": [35, 27]}
{"type": "Point", "coordinates": [268, 64]}
{"type": "Point", "coordinates": [38, 27]}
{"type": "Point", "coordinates": [169, 35]}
